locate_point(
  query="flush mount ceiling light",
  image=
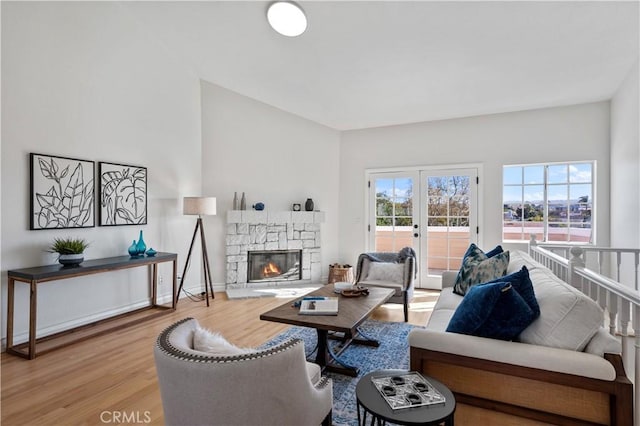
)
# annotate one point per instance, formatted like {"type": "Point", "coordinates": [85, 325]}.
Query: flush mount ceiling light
{"type": "Point", "coordinates": [287, 18]}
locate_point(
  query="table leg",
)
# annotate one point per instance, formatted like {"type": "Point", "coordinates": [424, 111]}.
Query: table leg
{"type": "Point", "coordinates": [321, 352]}
{"type": "Point", "coordinates": [174, 302]}
{"type": "Point", "coordinates": [154, 284]}
{"type": "Point", "coordinates": [325, 356]}
{"type": "Point", "coordinates": [11, 282]}
{"type": "Point", "coordinates": [33, 298]}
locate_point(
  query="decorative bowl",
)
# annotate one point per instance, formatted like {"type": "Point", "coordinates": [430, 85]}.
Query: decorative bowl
{"type": "Point", "coordinates": [342, 285]}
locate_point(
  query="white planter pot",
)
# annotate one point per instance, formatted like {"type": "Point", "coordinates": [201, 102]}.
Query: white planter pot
{"type": "Point", "coordinates": [71, 259]}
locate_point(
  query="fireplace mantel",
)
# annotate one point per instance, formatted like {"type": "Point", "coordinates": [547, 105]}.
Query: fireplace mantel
{"type": "Point", "coordinates": [250, 230]}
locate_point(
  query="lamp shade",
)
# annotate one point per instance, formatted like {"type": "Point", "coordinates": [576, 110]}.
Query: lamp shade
{"type": "Point", "coordinates": [202, 206]}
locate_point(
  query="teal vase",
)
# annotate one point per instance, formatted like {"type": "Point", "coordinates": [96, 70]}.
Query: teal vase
{"type": "Point", "coordinates": [133, 249]}
{"type": "Point", "coordinates": [141, 246]}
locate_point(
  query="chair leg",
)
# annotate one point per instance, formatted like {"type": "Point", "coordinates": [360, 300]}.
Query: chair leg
{"type": "Point", "coordinates": [327, 420]}
{"type": "Point", "coordinates": [406, 307]}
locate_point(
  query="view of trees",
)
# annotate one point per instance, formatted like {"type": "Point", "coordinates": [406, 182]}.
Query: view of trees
{"type": "Point", "coordinates": [447, 203]}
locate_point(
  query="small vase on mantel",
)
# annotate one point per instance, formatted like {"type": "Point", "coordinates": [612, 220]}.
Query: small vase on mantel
{"type": "Point", "coordinates": [133, 249]}
{"type": "Point", "coordinates": [243, 203]}
{"type": "Point", "coordinates": [141, 246]}
{"type": "Point", "coordinates": [235, 201]}
{"type": "Point", "coordinates": [308, 205]}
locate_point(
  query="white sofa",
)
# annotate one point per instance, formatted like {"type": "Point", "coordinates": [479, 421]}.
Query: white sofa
{"type": "Point", "coordinates": [569, 372]}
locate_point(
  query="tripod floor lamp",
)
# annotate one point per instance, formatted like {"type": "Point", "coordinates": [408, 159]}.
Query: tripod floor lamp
{"type": "Point", "coordinates": [200, 206]}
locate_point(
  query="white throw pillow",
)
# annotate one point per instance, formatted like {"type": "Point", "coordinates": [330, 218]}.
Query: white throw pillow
{"type": "Point", "coordinates": [390, 272]}
{"type": "Point", "coordinates": [213, 343]}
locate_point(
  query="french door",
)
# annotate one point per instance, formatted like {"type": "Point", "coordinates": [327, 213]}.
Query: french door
{"type": "Point", "coordinates": [434, 211]}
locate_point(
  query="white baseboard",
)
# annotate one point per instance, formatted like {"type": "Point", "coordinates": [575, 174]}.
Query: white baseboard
{"type": "Point", "coordinates": [165, 298]}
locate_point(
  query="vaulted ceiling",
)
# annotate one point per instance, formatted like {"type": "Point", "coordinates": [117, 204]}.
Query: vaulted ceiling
{"type": "Point", "coordinates": [366, 64]}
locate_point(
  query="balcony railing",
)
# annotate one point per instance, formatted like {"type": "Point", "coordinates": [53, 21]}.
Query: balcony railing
{"type": "Point", "coordinates": [609, 276]}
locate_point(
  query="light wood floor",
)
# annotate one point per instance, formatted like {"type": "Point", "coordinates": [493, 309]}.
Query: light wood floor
{"type": "Point", "coordinates": [94, 381]}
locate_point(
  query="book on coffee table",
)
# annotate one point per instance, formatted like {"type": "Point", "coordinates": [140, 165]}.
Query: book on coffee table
{"type": "Point", "coordinates": [319, 306]}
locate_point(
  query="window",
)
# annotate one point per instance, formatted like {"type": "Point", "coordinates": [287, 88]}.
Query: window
{"type": "Point", "coordinates": [553, 201]}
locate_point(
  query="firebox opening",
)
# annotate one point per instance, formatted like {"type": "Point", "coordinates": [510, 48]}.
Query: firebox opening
{"type": "Point", "coordinates": [274, 265]}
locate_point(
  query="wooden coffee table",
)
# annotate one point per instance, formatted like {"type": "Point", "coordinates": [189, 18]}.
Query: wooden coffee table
{"type": "Point", "coordinates": [352, 311]}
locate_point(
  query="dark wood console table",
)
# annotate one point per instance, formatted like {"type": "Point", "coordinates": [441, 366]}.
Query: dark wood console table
{"type": "Point", "coordinates": [41, 274]}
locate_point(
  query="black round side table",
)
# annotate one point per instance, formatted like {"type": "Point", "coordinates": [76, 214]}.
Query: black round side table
{"type": "Point", "coordinates": [372, 402]}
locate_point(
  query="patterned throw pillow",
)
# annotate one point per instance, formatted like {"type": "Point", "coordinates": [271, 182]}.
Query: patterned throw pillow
{"type": "Point", "coordinates": [384, 271]}
{"type": "Point", "coordinates": [478, 268]}
{"type": "Point", "coordinates": [496, 310]}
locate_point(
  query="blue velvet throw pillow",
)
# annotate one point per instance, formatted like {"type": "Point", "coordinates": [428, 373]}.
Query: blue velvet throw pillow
{"type": "Point", "coordinates": [495, 251]}
{"type": "Point", "coordinates": [493, 310]}
{"type": "Point", "coordinates": [522, 284]}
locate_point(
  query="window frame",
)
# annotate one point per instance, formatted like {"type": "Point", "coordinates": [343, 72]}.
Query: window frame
{"type": "Point", "coordinates": [546, 184]}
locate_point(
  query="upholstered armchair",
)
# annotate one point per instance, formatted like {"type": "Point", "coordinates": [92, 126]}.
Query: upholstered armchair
{"type": "Point", "coordinates": [390, 270]}
{"type": "Point", "coordinates": [275, 386]}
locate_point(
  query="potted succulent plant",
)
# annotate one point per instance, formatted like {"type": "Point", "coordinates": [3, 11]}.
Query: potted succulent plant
{"type": "Point", "coordinates": [70, 250]}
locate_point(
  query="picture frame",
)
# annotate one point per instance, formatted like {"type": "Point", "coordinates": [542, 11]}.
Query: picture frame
{"type": "Point", "coordinates": [123, 194]}
{"type": "Point", "coordinates": [62, 192]}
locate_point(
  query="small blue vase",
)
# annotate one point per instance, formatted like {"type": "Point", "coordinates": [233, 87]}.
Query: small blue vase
{"type": "Point", "coordinates": [141, 246]}
{"type": "Point", "coordinates": [133, 249]}
{"type": "Point", "coordinates": [151, 252]}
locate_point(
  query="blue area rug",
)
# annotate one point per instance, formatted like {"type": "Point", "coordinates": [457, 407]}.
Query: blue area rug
{"type": "Point", "coordinates": [393, 353]}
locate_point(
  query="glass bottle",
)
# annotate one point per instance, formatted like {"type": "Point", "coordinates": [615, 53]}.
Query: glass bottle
{"type": "Point", "coordinates": [133, 249]}
{"type": "Point", "coordinates": [141, 246]}
{"type": "Point", "coordinates": [243, 203]}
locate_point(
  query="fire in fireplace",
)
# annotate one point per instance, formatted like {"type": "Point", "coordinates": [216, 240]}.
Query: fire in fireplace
{"type": "Point", "coordinates": [274, 265]}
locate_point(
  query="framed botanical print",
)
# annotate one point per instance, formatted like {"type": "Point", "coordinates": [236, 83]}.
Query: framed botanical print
{"type": "Point", "coordinates": [123, 194]}
{"type": "Point", "coordinates": [62, 192]}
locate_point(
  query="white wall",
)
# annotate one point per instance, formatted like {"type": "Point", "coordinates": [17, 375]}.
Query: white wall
{"type": "Point", "coordinates": [557, 134]}
{"type": "Point", "coordinates": [625, 163]}
{"type": "Point", "coordinates": [80, 80]}
{"type": "Point", "coordinates": [625, 170]}
{"type": "Point", "coordinates": [274, 157]}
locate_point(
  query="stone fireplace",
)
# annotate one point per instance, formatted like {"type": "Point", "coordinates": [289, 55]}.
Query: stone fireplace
{"type": "Point", "coordinates": [266, 248]}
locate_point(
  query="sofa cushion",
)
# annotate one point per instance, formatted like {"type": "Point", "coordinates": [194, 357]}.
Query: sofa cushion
{"type": "Point", "coordinates": [568, 318]}
{"type": "Point", "coordinates": [518, 259]}
{"type": "Point", "coordinates": [478, 268]}
{"type": "Point", "coordinates": [603, 343]}
{"type": "Point", "coordinates": [214, 343]}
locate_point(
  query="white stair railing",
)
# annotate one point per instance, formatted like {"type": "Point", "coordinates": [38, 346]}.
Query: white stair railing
{"type": "Point", "coordinates": [620, 302]}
